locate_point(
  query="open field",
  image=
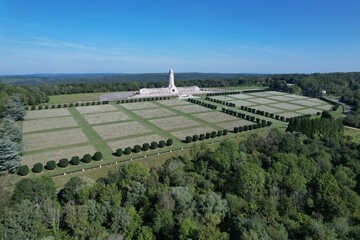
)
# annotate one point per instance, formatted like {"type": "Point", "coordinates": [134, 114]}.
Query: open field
{"type": "Point", "coordinates": [56, 155]}
{"type": "Point", "coordinates": [107, 117]}
{"type": "Point", "coordinates": [48, 123]}
{"type": "Point", "coordinates": [70, 98]}
{"type": "Point", "coordinates": [49, 113]}
{"type": "Point", "coordinates": [36, 141]}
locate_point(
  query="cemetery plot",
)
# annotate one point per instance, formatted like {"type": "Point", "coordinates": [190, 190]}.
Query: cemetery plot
{"type": "Point", "coordinates": [139, 105]}
{"type": "Point", "coordinates": [96, 109]}
{"type": "Point", "coordinates": [223, 98]}
{"type": "Point", "coordinates": [36, 141]}
{"type": "Point", "coordinates": [120, 129]}
{"type": "Point", "coordinates": [56, 155]}
{"type": "Point", "coordinates": [296, 96]}
{"type": "Point", "coordinates": [231, 125]}
{"type": "Point", "coordinates": [268, 109]}
{"type": "Point", "coordinates": [131, 142]}
{"type": "Point", "coordinates": [324, 107]}
{"type": "Point", "coordinates": [309, 111]}
{"type": "Point", "coordinates": [241, 96]}
{"type": "Point", "coordinates": [281, 98]}
{"type": "Point", "coordinates": [213, 117]}
{"type": "Point", "coordinates": [286, 106]}
{"type": "Point", "coordinates": [306, 103]}
{"type": "Point", "coordinates": [192, 131]}
{"type": "Point", "coordinates": [262, 100]}
{"type": "Point", "coordinates": [239, 103]}
{"type": "Point", "coordinates": [260, 94]}
{"type": "Point", "coordinates": [289, 114]}
{"type": "Point", "coordinates": [49, 113]}
{"type": "Point", "coordinates": [173, 123]}
{"type": "Point", "coordinates": [276, 93]}
{"type": "Point", "coordinates": [316, 100]}
{"type": "Point", "coordinates": [154, 113]}
{"type": "Point", "coordinates": [48, 123]}
{"type": "Point", "coordinates": [191, 108]}
{"type": "Point", "coordinates": [174, 102]}
{"type": "Point", "coordinates": [107, 117]}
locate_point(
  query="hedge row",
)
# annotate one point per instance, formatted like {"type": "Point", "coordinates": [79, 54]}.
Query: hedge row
{"type": "Point", "coordinates": [142, 99]}
{"type": "Point", "coordinates": [220, 102]}
{"type": "Point", "coordinates": [204, 104]}
{"type": "Point", "coordinates": [249, 127]}
{"type": "Point", "coordinates": [63, 163]}
{"type": "Point", "coordinates": [65, 105]}
{"type": "Point", "coordinates": [145, 147]}
{"type": "Point", "coordinates": [245, 116]}
{"type": "Point", "coordinates": [235, 92]}
{"type": "Point", "coordinates": [207, 135]}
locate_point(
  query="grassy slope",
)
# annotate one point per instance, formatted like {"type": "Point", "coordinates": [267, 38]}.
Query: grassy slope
{"type": "Point", "coordinates": [353, 133]}
{"type": "Point", "coordinates": [70, 98]}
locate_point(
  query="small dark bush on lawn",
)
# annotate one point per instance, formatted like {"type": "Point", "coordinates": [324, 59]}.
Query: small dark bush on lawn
{"type": "Point", "coordinates": [145, 147]}
{"type": "Point", "coordinates": [63, 163]}
{"type": "Point", "coordinates": [75, 160]}
{"type": "Point", "coordinates": [188, 139]}
{"type": "Point", "coordinates": [154, 145]}
{"type": "Point", "coordinates": [162, 144]}
{"type": "Point", "coordinates": [118, 152]}
{"type": "Point", "coordinates": [127, 151]}
{"type": "Point", "coordinates": [87, 158]}
{"type": "Point", "coordinates": [23, 170]}
{"type": "Point", "coordinates": [201, 137]}
{"type": "Point", "coordinates": [169, 142]}
{"type": "Point", "coordinates": [137, 148]}
{"type": "Point", "coordinates": [195, 138]}
{"type": "Point", "coordinates": [50, 165]}
{"type": "Point", "coordinates": [37, 168]}
{"type": "Point", "coordinates": [97, 156]}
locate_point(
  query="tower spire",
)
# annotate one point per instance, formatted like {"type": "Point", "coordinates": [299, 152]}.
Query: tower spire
{"type": "Point", "coordinates": [172, 87]}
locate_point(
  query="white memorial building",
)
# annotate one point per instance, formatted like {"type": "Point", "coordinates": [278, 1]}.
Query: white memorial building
{"type": "Point", "coordinates": [171, 89]}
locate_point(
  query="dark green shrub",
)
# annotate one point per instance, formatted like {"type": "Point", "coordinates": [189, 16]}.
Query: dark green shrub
{"type": "Point", "coordinates": [241, 129]}
{"type": "Point", "coordinates": [40, 107]}
{"type": "Point", "coordinates": [59, 106]}
{"type": "Point", "coordinates": [145, 147]}
{"type": "Point", "coordinates": [277, 117]}
{"type": "Point", "coordinates": [71, 105]}
{"type": "Point", "coordinates": [162, 144]}
{"type": "Point", "coordinates": [208, 135]}
{"type": "Point", "coordinates": [268, 123]}
{"type": "Point", "coordinates": [50, 165]}
{"type": "Point", "coordinates": [65, 105]}
{"type": "Point", "coordinates": [86, 158]}
{"type": "Point", "coordinates": [75, 160]}
{"type": "Point", "coordinates": [201, 136]}
{"type": "Point", "coordinates": [246, 128]}
{"type": "Point", "coordinates": [23, 170]}
{"type": "Point", "coordinates": [33, 108]}
{"type": "Point", "coordinates": [53, 106]}
{"type": "Point", "coordinates": [63, 163]}
{"type": "Point", "coordinates": [154, 145]}
{"type": "Point", "coordinates": [118, 152]}
{"type": "Point", "coordinates": [127, 151]}
{"type": "Point", "coordinates": [137, 148]}
{"type": "Point", "coordinates": [225, 132]}
{"type": "Point", "coordinates": [77, 104]}
{"type": "Point", "coordinates": [188, 139]}
{"type": "Point", "coordinates": [169, 142]}
{"type": "Point", "coordinates": [213, 134]}
{"type": "Point", "coordinates": [47, 107]}
{"type": "Point", "coordinates": [195, 138]}
{"type": "Point", "coordinates": [219, 133]}
{"type": "Point", "coordinates": [236, 129]}
{"type": "Point", "coordinates": [37, 168]}
{"type": "Point", "coordinates": [97, 156]}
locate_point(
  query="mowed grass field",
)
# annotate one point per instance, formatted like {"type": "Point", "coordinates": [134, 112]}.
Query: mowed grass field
{"type": "Point", "coordinates": [105, 128]}
{"type": "Point", "coordinates": [70, 98]}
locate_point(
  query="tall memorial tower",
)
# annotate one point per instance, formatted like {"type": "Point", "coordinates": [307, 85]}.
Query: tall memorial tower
{"type": "Point", "coordinates": [172, 87]}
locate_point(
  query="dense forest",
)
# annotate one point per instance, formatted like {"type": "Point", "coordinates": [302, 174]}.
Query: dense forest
{"type": "Point", "coordinates": [273, 186]}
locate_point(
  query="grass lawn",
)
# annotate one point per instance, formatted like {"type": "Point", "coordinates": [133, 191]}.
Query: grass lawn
{"type": "Point", "coordinates": [244, 87]}
{"type": "Point", "coordinates": [70, 98]}
{"type": "Point", "coordinates": [352, 132]}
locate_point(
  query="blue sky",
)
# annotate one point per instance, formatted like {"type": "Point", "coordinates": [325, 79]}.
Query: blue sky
{"type": "Point", "coordinates": [133, 36]}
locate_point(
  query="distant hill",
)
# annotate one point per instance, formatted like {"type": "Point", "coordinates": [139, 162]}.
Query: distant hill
{"type": "Point", "coordinates": [35, 79]}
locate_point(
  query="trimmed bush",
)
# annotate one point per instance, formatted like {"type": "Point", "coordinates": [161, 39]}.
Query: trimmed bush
{"type": "Point", "coordinates": [154, 145]}
{"type": "Point", "coordinates": [241, 129]}
{"type": "Point", "coordinates": [213, 134]}
{"type": "Point", "coordinates": [97, 156]}
{"type": "Point", "coordinates": [219, 133]}
{"type": "Point", "coordinates": [208, 135]}
{"type": "Point", "coordinates": [225, 132]}
{"type": "Point", "coordinates": [162, 144]}
{"type": "Point", "coordinates": [201, 136]}
{"type": "Point", "coordinates": [59, 106]}
{"type": "Point", "coordinates": [268, 123]}
{"type": "Point", "coordinates": [137, 148]}
{"type": "Point", "coordinates": [75, 160]}
{"type": "Point", "coordinates": [236, 130]}
{"type": "Point", "coordinates": [50, 165]}
{"type": "Point", "coordinates": [145, 147]}
{"type": "Point", "coordinates": [23, 170]}
{"type": "Point", "coordinates": [195, 138]}
{"type": "Point", "coordinates": [37, 168]}
{"type": "Point", "coordinates": [63, 163]}
{"type": "Point", "coordinates": [169, 142]}
{"type": "Point", "coordinates": [86, 158]}
{"type": "Point", "coordinates": [127, 151]}
{"type": "Point", "coordinates": [188, 139]}
{"type": "Point", "coordinates": [118, 152]}
{"type": "Point", "coordinates": [246, 127]}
